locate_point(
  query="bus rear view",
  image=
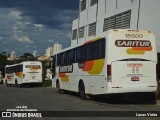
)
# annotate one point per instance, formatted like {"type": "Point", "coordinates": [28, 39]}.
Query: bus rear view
{"type": "Point", "coordinates": [131, 61]}
{"type": "Point", "coordinates": [32, 72]}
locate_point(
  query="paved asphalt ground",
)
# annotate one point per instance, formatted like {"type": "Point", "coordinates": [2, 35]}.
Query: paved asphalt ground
{"type": "Point", "coordinates": [48, 99]}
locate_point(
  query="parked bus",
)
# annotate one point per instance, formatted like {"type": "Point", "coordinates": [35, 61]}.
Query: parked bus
{"type": "Point", "coordinates": [117, 61]}
{"type": "Point", "coordinates": [29, 72]}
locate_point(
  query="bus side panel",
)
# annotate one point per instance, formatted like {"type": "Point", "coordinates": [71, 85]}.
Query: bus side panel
{"type": "Point", "coordinates": [94, 84]}
{"type": "Point", "coordinates": [97, 85]}
{"type": "Point", "coordinates": [20, 80]}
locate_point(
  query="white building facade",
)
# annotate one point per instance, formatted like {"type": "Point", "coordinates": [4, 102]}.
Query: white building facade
{"type": "Point", "coordinates": [98, 16]}
{"type": "Point", "coordinates": [50, 51]}
{"type": "Point", "coordinates": [57, 48]}
{"type": "Point", "coordinates": [13, 55]}
{"type": "Point", "coordinates": [35, 53]}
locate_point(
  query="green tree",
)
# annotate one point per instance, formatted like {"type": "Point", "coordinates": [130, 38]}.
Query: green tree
{"type": "Point", "coordinates": [28, 57]}
{"type": "Point", "coordinates": [4, 54]}
{"type": "Point", "coordinates": [3, 63]}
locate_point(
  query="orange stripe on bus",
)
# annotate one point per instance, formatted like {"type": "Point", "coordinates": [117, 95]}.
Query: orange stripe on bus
{"type": "Point", "coordinates": [88, 65]}
{"type": "Point", "coordinates": [143, 48]}
{"type": "Point", "coordinates": [62, 74]}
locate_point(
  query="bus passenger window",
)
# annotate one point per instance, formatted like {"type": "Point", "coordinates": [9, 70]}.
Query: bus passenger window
{"type": "Point", "coordinates": [83, 53]}
{"type": "Point", "coordinates": [101, 48]}
{"type": "Point", "coordinates": [89, 52]}
{"type": "Point", "coordinates": [78, 54]}
{"type": "Point", "coordinates": [72, 56]}
{"type": "Point", "coordinates": [59, 60]}
{"type": "Point", "coordinates": [95, 51]}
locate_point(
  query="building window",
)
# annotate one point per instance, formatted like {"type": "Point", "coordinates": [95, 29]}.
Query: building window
{"type": "Point", "coordinates": [74, 34]}
{"type": "Point", "coordinates": [93, 2]}
{"type": "Point", "coordinates": [123, 20]}
{"type": "Point", "coordinates": [81, 32]}
{"type": "Point", "coordinates": [109, 23]}
{"type": "Point", "coordinates": [83, 5]}
{"type": "Point", "coordinates": [119, 21]}
{"type": "Point", "coordinates": [92, 29]}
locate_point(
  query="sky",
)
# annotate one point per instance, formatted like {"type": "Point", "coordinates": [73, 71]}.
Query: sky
{"type": "Point", "coordinates": [28, 25]}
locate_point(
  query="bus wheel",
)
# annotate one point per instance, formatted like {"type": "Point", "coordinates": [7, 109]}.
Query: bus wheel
{"type": "Point", "coordinates": [82, 93]}
{"type": "Point", "coordinates": [6, 83]}
{"type": "Point", "coordinates": [58, 87]}
{"type": "Point", "coordinates": [16, 84]}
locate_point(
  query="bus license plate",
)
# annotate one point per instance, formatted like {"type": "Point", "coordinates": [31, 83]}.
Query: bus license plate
{"type": "Point", "coordinates": [134, 78]}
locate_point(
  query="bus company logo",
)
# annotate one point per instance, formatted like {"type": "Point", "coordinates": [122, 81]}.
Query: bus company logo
{"type": "Point", "coordinates": [66, 69]}
{"type": "Point", "coordinates": [63, 70]}
{"type": "Point", "coordinates": [136, 46]}
{"type": "Point", "coordinates": [33, 67]}
{"type": "Point", "coordinates": [132, 43]}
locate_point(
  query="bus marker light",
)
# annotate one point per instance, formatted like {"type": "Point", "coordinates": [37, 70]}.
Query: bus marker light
{"type": "Point", "coordinates": [152, 86]}
{"type": "Point", "coordinates": [134, 78]}
{"type": "Point", "coordinates": [116, 87]}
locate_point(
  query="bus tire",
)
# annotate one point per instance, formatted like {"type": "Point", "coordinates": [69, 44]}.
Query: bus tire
{"type": "Point", "coordinates": [58, 87]}
{"type": "Point", "coordinates": [6, 83]}
{"type": "Point", "coordinates": [16, 83]}
{"type": "Point", "coordinates": [82, 93]}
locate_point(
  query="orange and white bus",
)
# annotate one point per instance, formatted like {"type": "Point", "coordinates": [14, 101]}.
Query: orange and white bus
{"type": "Point", "coordinates": [117, 61]}
{"type": "Point", "coordinates": [28, 72]}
